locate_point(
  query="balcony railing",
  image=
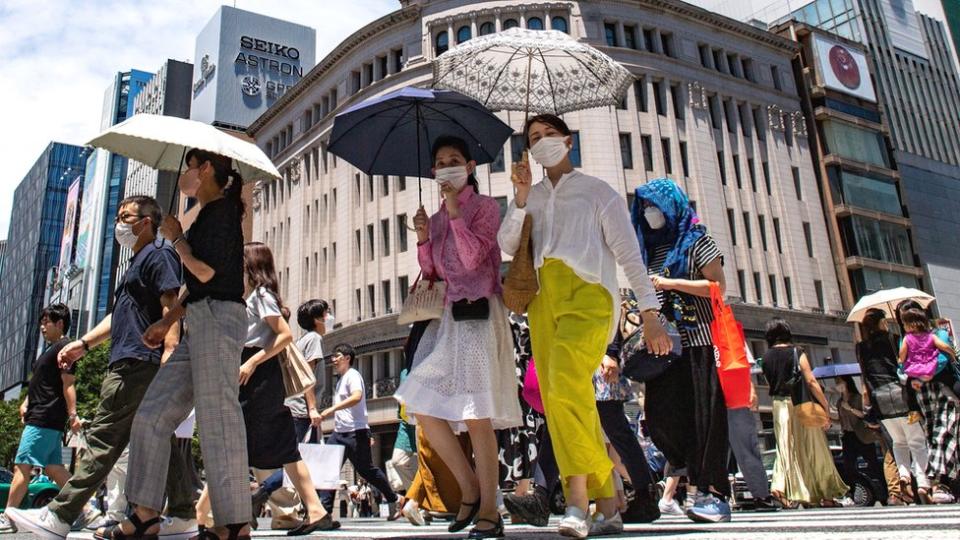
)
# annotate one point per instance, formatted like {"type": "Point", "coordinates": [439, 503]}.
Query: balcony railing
{"type": "Point", "coordinates": [387, 387]}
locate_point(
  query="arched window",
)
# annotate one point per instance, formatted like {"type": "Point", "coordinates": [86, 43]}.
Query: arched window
{"type": "Point", "coordinates": [487, 28]}
{"type": "Point", "coordinates": [535, 23]}
{"type": "Point", "coordinates": [510, 23]}
{"type": "Point", "coordinates": [560, 23]}
{"type": "Point", "coordinates": [463, 34]}
{"type": "Point", "coordinates": [443, 43]}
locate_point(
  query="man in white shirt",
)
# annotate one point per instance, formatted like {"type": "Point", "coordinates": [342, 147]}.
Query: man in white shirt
{"type": "Point", "coordinates": [350, 426]}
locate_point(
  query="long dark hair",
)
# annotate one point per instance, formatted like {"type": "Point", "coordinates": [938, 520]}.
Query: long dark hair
{"type": "Point", "coordinates": [460, 145]}
{"type": "Point", "coordinates": [871, 323]}
{"type": "Point", "coordinates": [227, 177]}
{"type": "Point", "coordinates": [260, 271]}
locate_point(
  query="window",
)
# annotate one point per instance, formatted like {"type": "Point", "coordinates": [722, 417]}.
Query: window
{"type": "Point", "coordinates": [667, 161]}
{"type": "Point", "coordinates": [736, 171]}
{"type": "Point", "coordinates": [401, 183]}
{"type": "Point", "coordinates": [517, 145]}
{"type": "Point", "coordinates": [728, 111]}
{"type": "Point", "coordinates": [756, 287]}
{"type": "Point", "coordinates": [796, 182]}
{"type": "Point", "coordinates": [717, 60]}
{"type": "Point", "coordinates": [383, 67]}
{"type": "Point", "coordinates": [732, 223]}
{"type": "Point", "coordinates": [510, 23]}
{"type": "Point", "coordinates": [384, 185]}
{"type": "Point", "coordinates": [704, 55]}
{"type": "Point", "coordinates": [733, 64]}
{"type": "Point", "coordinates": [745, 119]}
{"type": "Point", "coordinates": [630, 37]}
{"type": "Point", "coordinates": [864, 191]}
{"type": "Point", "coordinates": [715, 120]}
{"type": "Point", "coordinates": [788, 131]}
{"type": "Point", "coordinates": [367, 74]}
{"type": "Point", "coordinates": [646, 144]}
{"type": "Point", "coordinates": [853, 142]}
{"type": "Point", "coordinates": [575, 158]}
{"type": "Point", "coordinates": [775, 74]}
{"type": "Point", "coordinates": [747, 230]}
{"type": "Point", "coordinates": [535, 23]}
{"type": "Point", "coordinates": [463, 34]}
{"type": "Point", "coordinates": [684, 164]}
{"type": "Point", "coordinates": [487, 28]}
{"type": "Point", "coordinates": [752, 173]}
{"type": "Point", "coordinates": [498, 165]}
{"type": "Point", "coordinates": [723, 168]}
{"type": "Point", "coordinates": [763, 231]}
{"type": "Point", "coordinates": [787, 288]}
{"type": "Point", "coordinates": [675, 95]}
{"type": "Point", "coordinates": [370, 249]}
{"type": "Point", "coordinates": [875, 239]}
{"type": "Point", "coordinates": [758, 124]}
{"type": "Point", "coordinates": [776, 234]}
{"type": "Point", "coordinates": [766, 176]}
{"type": "Point", "coordinates": [402, 233]}
{"type": "Point", "coordinates": [742, 282]}
{"type": "Point", "coordinates": [747, 68]}
{"type": "Point", "coordinates": [358, 305]}
{"type": "Point", "coordinates": [666, 44]}
{"type": "Point", "coordinates": [559, 24]}
{"type": "Point", "coordinates": [442, 43]}
{"type": "Point", "coordinates": [773, 288]}
{"type": "Point", "coordinates": [640, 92]}
{"type": "Point", "coordinates": [385, 234]}
{"type": "Point", "coordinates": [356, 183]}
{"type": "Point", "coordinates": [818, 288]}
{"type": "Point", "coordinates": [397, 55]}
{"type": "Point", "coordinates": [403, 283]}
{"type": "Point", "coordinates": [808, 238]}
{"type": "Point", "coordinates": [610, 32]}
{"type": "Point", "coordinates": [357, 254]}
{"type": "Point", "coordinates": [387, 297]}
{"type": "Point", "coordinates": [372, 299]}
{"type": "Point", "coordinates": [870, 280]}
{"type": "Point", "coordinates": [370, 187]}
{"type": "Point", "coordinates": [626, 151]}
{"type": "Point", "coordinates": [648, 43]}
{"type": "Point", "coordinates": [658, 98]}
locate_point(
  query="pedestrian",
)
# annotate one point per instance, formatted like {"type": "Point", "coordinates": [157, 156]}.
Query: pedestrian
{"type": "Point", "coordinates": [941, 423]}
{"type": "Point", "coordinates": [351, 429]}
{"type": "Point", "coordinates": [684, 261]}
{"type": "Point", "coordinates": [463, 374]}
{"type": "Point", "coordinates": [203, 368]}
{"type": "Point", "coordinates": [146, 291]}
{"type": "Point", "coordinates": [883, 393]}
{"type": "Point", "coordinates": [581, 232]}
{"type": "Point", "coordinates": [804, 470]}
{"type": "Point", "coordinates": [402, 465]}
{"type": "Point", "coordinates": [920, 351]}
{"type": "Point", "coordinates": [857, 439]}
{"type": "Point", "coordinates": [48, 410]}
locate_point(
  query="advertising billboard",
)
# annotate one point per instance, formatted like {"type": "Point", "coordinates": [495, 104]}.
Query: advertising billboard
{"type": "Point", "coordinates": [71, 217]}
{"type": "Point", "coordinates": [844, 68]}
{"type": "Point", "coordinates": [91, 194]}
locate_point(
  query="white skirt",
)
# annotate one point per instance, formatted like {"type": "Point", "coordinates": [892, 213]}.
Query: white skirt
{"type": "Point", "coordinates": [465, 370]}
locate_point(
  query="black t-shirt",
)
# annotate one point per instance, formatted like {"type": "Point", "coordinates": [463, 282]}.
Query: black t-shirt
{"type": "Point", "coordinates": [46, 406]}
{"type": "Point", "coordinates": [878, 359]}
{"type": "Point", "coordinates": [216, 238]}
{"type": "Point", "coordinates": [154, 270]}
{"type": "Point", "coordinates": [777, 365]}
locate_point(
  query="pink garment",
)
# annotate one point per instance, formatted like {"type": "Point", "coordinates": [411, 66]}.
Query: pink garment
{"type": "Point", "coordinates": [922, 354]}
{"type": "Point", "coordinates": [531, 388]}
{"type": "Point", "coordinates": [468, 260]}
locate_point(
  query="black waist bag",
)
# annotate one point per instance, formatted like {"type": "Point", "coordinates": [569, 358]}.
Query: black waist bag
{"type": "Point", "coordinates": [465, 310]}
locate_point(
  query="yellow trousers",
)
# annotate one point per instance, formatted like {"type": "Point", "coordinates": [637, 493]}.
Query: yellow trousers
{"type": "Point", "coordinates": [569, 327]}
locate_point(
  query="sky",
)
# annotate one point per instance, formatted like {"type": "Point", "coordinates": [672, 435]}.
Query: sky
{"type": "Point", "coordinates": [62, 55]}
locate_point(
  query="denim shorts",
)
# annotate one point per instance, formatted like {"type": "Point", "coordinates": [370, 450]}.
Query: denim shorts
{"type": "Point", "coordinates": [40, 447]}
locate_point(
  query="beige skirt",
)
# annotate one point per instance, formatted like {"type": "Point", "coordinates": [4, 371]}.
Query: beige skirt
{"type": "Point", "coordinates": [804, 471]}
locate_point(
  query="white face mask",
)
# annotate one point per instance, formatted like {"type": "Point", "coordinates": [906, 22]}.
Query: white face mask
{"type": "Point", "coordinates": [328, 322]}
{"type": "Point", "coordinates": [549, 151]}
{"type": "Point", "coordinates": [455, 176]}
{"type": "Point", "coordinates": [124, 235]}
{"type": "Point", "coordinates": [654, 217]}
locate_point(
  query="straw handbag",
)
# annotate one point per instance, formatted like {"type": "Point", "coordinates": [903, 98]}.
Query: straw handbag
{"type": "Point", "coordinates": [521, 285]}
{"type": "Point", "coordinates": [297, 375]}
{"type": "Point", "coordinates": [425, 301]}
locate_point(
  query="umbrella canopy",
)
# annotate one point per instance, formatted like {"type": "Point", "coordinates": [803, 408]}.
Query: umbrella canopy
{"type": "Point", "coordinates": [393, 133]}
{"type": "Point", "coordinates": [160, 142]}
{"type": "Point", "coordinates": [541, 71]}
{"type": "Point", "coordinates": [887, 300]}
{"type": "Point", "coordinates": [830, 371]}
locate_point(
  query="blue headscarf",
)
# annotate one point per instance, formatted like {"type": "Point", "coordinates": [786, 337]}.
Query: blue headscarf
{"type": "Point", "coordinates": [681, 231]}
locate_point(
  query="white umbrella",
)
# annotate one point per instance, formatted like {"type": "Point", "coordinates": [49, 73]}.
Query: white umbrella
{"type": "Point", "coordinates": [887, 300]}
{"type": "Point", "coordinates": [160, 142]}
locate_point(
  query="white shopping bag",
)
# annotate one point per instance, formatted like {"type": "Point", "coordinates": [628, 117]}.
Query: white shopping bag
{"type": "Point", "coordinates": [323, 461]}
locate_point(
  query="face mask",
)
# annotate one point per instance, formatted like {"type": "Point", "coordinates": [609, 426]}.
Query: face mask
{"type": "Point", "coordinates": [549, 151]}
{"type": "Point", "coordinates": [328, 322]}
{"type": "Point", "coordinates": [125, 235]}
{"type": "Point", "coordinates": [654, 217]}
{"type": "Point", "coordinates": [189, 182]}
{"type": "Point", "coordinates": [455, 176]}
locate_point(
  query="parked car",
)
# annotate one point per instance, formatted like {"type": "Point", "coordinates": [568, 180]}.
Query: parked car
{"type": "Point", "coordinates": [40, 491]}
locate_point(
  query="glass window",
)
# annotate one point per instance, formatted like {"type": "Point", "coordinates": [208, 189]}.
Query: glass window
{"type": "Point", "coordinates": [666, 44]}
{"type": "Point", "coordinates": [715, 120]}
{"type": "Point", "coordinates": [818, 289]}
{"type": "Point", "coordinates": [723, 168]}
{"type": "Point", "coordinates": [610, 32]}
{"type": "Point", "coordinates": [796, 182]}
{"type": "Point", "coordinates": [878, 240]}
{"type": "Point", "coordinates": [763, 231]}
{"type": "Point", "coordinates": [742, 282]}
{"type": "Point", "coordinates": [752, 173]}
{"type": "Point", "coordinates": [463, 34]}
{"type": "Point", "coordinates": [853, 142]}
{"type": "Point", "coordinates": [498, 165]}
{"type": "Point", "coordinates": [487, 28]}
{"type": "Point", "coordinates": [869, 280]}
{"type": "Point", "coordinates": [684, 163]}
{"type": "Point", "coordinates": [775, 74]}
{"type": "Point", "coordinates": [517, 145]}
{"type": "Point", "coordinates": [535, 23]}
{"type": "Point", "coordinates": [808, 238]}
{"type": "Point", "coordinates": [732, 223]}
{"type": "Point", "coordinates": [626, 151]}
{"type": "Point", "coordinates": [776, 234]}
{"type": "Point", "coordinates": [630, 37]}
{"type": "Point", "coordinates": [736, 171]}
{"type": "Point", "coordinates": [865, 192]}
{"type": "Point", "coordinates": [647, 146]}
{"type": "Point", "coordinates": [773, 288]}
{"type": "Point", "coordinates": [658, 98]}
{"type": "Point", "coordinates": [648, 43]}
{"type": "Point", "coordinates": [766, 176]}
{"type": "Point", "coordinates": [704, 55]}
{"type": "Point", "coordinates": [667, 161]}
{"type": "Point", "coordinates": [640, 92]}
{"type": "Point", "coordinates": [510, 23]}
{"type": "Point", "coordinates": [385, 234]}
{"type": "Point", "coordinates": [676, 97]}
{"type": "Point", "coordinates": [443, 43]}
{"type": "Point", "coordinates": [559, 24]}
{"type": "Point", "coordinates": [371, 250]}
{"type": "Point", "coordinates": [402, 233]}
{"type": "Point", "coordinates": [575, 157]}
{"type": "Point", "coordinates": [756, 287]}
{"type": "Point", "coordinates": [747, 230]}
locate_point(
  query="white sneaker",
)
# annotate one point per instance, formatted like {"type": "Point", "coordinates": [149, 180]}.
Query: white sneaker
{"type": "Point", "coordinates": [603, 526]}
{"type": "Point", "coordinates": [670, 508]}
{"type": "Point", "coordinates": [412, 512]}
{"type": "Point", "coordinates": [41, 522]}
{"type": "Point", "coordinates": [6, 526]}
{"type": "Point", "coordinates": [178, 528]}
{"type": "Point", "coordinates": [575, 523]}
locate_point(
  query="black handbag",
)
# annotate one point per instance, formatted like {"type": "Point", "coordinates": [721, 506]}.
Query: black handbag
{"type": "Point", "coordinates": [638, 363]}
{"type": "Point", "coordinates": [465, 310]}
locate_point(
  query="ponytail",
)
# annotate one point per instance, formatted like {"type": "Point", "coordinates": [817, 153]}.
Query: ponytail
{"type": "Point", "coordinates": [227, 177]}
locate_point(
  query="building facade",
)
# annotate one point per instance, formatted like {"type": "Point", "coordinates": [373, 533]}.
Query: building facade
{"type": "Point", "coordinates": [33, 250]}
{"type": "Point", "coordinates": [714, 107]}
{"type": "Point", "coordinates": [3, 254]}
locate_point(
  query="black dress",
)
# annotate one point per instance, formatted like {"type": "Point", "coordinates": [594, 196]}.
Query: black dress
{"type": "Point", "coordinates": [271, 436]}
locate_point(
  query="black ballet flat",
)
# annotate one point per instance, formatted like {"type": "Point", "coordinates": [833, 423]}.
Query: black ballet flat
{"type": "Point", "coordinates": [494, 532]}
{"type": "Point", "coordinates": [459, 525]}
{"type": "Point", "coordinates": [326, 523]}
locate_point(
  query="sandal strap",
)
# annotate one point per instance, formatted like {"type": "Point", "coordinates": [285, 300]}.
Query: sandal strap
{"type": "Point", "coordinates": [141, 526]}
{"type": "Point", "coordinates": [471, 505]}
{"type": "Point", "coordinates": [234, 530]}
{"type": "Point", "coordinates": [490, 521]}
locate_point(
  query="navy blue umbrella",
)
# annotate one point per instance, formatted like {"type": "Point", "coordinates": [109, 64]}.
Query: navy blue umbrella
{"type": "Point", "coordinates": [394, 133]}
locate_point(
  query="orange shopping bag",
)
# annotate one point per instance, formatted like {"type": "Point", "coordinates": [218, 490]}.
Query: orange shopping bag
{"type": "Point", "coordinates": [733, 365]}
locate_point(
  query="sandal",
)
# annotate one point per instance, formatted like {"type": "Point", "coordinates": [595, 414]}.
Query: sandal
{"type": "Point", "coordinates": [906, 491]}
{"type": "Point", "coordinates": [233, 533]}
{"type": "Point", "coordinates": [114, 532]}
{"type": "Point", "coordinates": [493, 532]}
{"type": "Point", "coordinates": [461, 524]}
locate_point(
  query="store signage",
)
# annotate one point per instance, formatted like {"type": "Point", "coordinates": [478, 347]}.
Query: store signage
{"type": "Point", "coordinates": [844, 68]}
{"type": "Point", "coordinates": [284, 52]}
{"type": "Point", "coordinates": [207, 69]}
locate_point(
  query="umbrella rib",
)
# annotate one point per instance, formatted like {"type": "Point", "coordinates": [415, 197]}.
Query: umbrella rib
{"type": "Point", "coordinates": [553, 93]}
{"type": "Point", "coordinates": [493, 85]}
{"type": "Point", "coordinates": [459, 124]}
{"type": "Point", "coordinates": [585, 66]}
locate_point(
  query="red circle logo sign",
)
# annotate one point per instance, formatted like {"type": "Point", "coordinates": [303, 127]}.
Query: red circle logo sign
{"type": "Point", "coordinates": [845, 67]}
